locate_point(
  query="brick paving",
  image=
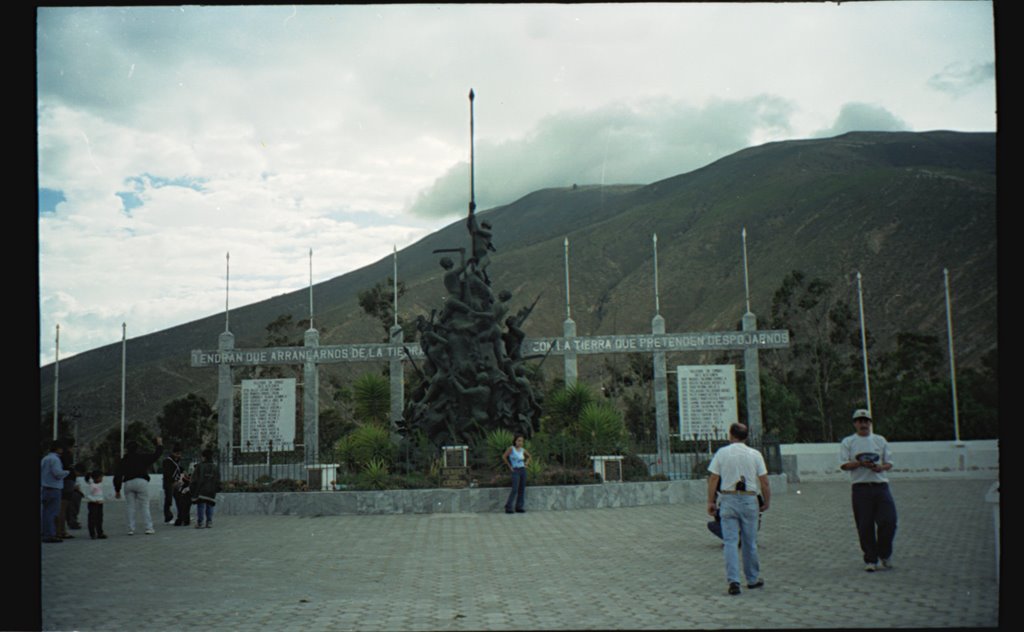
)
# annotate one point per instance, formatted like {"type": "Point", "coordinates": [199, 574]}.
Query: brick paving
{"type": "Point", "coordinates": [651, 567]}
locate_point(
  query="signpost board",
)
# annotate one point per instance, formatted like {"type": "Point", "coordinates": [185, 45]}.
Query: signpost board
{"type": "Point", "coordinates": [707, 399]}
{"type": "Point", "coordinates": [268, 415]}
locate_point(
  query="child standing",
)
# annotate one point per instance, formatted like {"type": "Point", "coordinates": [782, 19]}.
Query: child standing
{"type": "Point", "coordinates": [93, 493]}
{"type": "Point", "coordinates": [204, 486]}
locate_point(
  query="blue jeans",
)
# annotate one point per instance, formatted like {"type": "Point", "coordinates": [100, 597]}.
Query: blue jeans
{"type": "Point", "coordinates": [49, 498]}
{"type": "Point", "coordinates": [739, 517]}
{"type": "Point", "coordinates": [204, 508]}
{"type": "Point", "coordinates": [518, 493]}
{"type": "Point", "coordinates": [873, 507]}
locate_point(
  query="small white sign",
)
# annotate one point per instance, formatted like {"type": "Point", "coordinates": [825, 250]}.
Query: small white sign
{"type": "Point", "coordinates": [268, 414]}
{"type": "Point", "coordinates": [707, 399]}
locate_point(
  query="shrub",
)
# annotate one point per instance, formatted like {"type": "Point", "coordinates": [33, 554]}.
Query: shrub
{"type": "Point", "coordinates": [365, 444]}
{"type": "Point", "coordinates": [374, 475]}
{"type": "Point", "coordinates": [496, 443]}
{"type": "Point", "coordinates": [601, 430]}
{"type": "Point", "coordinates": [563, 408]}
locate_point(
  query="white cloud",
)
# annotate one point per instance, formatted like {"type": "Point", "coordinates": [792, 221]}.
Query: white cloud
{"type": "Point", "coordinates": [321, 126]}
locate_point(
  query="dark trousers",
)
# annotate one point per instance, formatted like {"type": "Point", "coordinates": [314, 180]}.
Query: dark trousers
{"type": "Point", "coordinates": [183, 502]}
{"type": "Point", "coordinates": [95, 519]}
{"type": "Point", "coordinates": [518, 493]}
{"type": "Point", "coordinates": [168, 499]}
{"type": "Point", "coordinates": [874, 511]}
{"type": "Point", "coordinates": [74, 507]}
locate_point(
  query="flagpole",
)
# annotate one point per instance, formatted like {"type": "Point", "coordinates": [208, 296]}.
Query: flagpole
{"type": "Point", "coordinates": [124, 344]}
{"type": "Point", "coordinates": [568, 312]}
{"type": "Point", "coordinates": [472, 160]}
{"type": "Point", "coordinates": [227, 286]}
{"type": "Point", "coordinates": [310, 288]}
{"type": "Point", "coordinates": [863, 343]}
{"type": "Point", "coordinates": [657, 298]}
{"type": "Point", "coordinates": [394, 282]}
{"type": "Point", "coordinates": [56, 382]}
{"type": "Point", "coordinates": [746, 274]}
{"type": "Point", "coordinates": [952, 363]}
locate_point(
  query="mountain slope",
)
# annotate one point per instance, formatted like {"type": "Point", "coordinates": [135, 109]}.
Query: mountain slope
{"type": "Point", "coordinates": [898, 207]}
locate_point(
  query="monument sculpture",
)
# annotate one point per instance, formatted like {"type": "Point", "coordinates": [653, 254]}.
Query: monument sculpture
{"type": "Point", "coordinates": [473, 378]}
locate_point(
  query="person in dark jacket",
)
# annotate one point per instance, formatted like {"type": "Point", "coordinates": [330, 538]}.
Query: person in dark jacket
{"type": "Point", "coordinates": [133, 471]}
{"type": "Point", "coordinates": [172, 475]}
{"type": "Point", "coordinates": [205, 485]}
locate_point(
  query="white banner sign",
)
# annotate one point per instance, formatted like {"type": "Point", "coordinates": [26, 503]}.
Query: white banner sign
{"type": "Point", "coordinates": [268, 414]}
{"type": "Point", "coordinates": [707, 399]}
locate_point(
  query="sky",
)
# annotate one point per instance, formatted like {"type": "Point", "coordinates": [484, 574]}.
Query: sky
{"type": "Point", "coordinates": [171, 136]}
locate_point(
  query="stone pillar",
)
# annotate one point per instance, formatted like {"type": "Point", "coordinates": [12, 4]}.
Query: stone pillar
{"type": "Point", "coordinates": [571, 370]}
{"type": "Point", "coordinates": [311, 402]}
{"type": "Point", "coordinates": [397, 379]}
{"type": "Point", "coordinates": [752, 375]}
{"type": "Point", "coordinates": [225, 399]}
{"type": "Point", "coordinates": [661, 400]}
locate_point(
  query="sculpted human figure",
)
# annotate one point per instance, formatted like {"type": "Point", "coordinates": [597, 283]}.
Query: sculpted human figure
{"type": "Point", "coordinates": [480, 235]}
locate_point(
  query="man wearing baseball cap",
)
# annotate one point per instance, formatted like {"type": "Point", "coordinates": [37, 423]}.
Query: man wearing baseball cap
{"type": "Point", "coordinates": [865, 455]}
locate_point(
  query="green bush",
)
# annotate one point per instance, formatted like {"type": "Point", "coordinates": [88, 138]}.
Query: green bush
{"type": "Point", "coordinates": [497, 441]}
{"type": "Point", "coordinates": [601, 430]}
{"type": "Point", "coordinates": [374, 475]}
{"type": "Point", "coordinates": [563, 408]}
{"type": "Point", "coordinates": [365, 444]}
{"type": "Point", "coordinates": [372, 395]}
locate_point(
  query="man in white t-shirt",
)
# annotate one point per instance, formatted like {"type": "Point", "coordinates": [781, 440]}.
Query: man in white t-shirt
{"type": "Point", "coordinates": [865, 455]}
{"type": "Point", "coordinates": [743, 476]}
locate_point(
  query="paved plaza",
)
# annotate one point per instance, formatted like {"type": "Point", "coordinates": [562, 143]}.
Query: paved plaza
{"type": "Point", "coordinates": [631, 568]}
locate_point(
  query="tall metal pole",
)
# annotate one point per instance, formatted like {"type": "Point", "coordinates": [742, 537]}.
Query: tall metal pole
{"type": "Point", "coordinates": [124, 344]}
{"type": "Point", "coordinates": [864, 343]}
{"type": "Point", "coordinates": [227, 285]}
{"type": "Point", "coordinates": [568, 312]}
{"type": "Point", "coordinates": [952, 362]}
{"type": "Point", "coordinates": [395, 282]}
{"type": "Point", "coordinates": [746, 274]}
{"type": "Point", "coordinates": [56, 382]}
{"type": "Point", "coordinates": [657, 298]}
{"type": "Point", "coordinates": [472, 158]}
{"type": "Point", "coordinates": [311, 288]}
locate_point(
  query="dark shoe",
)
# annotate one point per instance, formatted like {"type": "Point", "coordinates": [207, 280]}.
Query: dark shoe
{"type": "Point", "coordinates": [74, 526]}
{"type": "Point", "coordinates": [209, 525]}
{"type": "Point", "coordinates": [67, 536]}
{"type": "Point", "coordinates": [734, 588]}
{"type": "Point", "coordinates": [508, 511]}
{"type": "Point", "coordinates": [101, 537]}
{"type": "Point", "coordinates": [758, 584]}
{"type": "Point", "coordinates": [199, 525]}
{"type": "Point", "coordinates": [52, 540]}
{"type": "Point", "coordinates": [520, 511]}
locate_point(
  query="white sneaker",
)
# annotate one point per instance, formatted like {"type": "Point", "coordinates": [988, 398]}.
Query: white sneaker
{"type": "Point", "coordinates": [131, 531]}
{"type": "Point", "coordinates": [871, 568]}
{"type": "Point", "coordinates": [150, 531]}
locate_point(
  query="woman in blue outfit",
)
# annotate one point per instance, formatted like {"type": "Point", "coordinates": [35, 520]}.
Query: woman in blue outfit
{"type": "Point", "coordinates": [517, 457]}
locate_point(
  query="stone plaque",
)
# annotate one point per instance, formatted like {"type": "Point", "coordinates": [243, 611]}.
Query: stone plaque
{"type": "Point", "coordinates": [268, 414]}
{"type": "Point", "coordinates": [455, 477]}
{"type": "Point", "coordinates": [707, 399]}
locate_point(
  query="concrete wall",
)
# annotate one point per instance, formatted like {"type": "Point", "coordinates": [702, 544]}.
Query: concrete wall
{"type": "Point", "coordinates": [476, 500]}
{"type": "Point", "coordinates": [911, 459]}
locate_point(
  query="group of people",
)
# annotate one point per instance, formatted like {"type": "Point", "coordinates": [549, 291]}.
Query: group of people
{"type": "Point", "coordinates": [739, 490]}
{"type": "Point", "coordinates": [61, 490]}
